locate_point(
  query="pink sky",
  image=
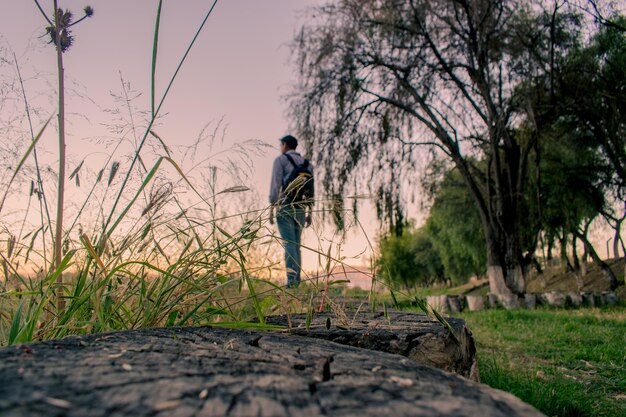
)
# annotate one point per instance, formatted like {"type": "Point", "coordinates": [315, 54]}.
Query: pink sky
{"type": "Point", "coordinates": [238, 71]}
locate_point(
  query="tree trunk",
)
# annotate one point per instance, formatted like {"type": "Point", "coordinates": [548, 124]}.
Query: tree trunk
{"type": "Point", "coordinates": [500, 227]}
{"type": "Point", "coordinates": [505, 277]}
{"type": "Point", "coordinates": [564, 259]}
{"type": "Point", "coordinates": [608, 273]}
{"type": "Point", "coordinates": [582, 272]}
{"type": "Point", "coordinates": [497, 283]}
{"type": "Point", "coordinates": [584, 264]}
{"type": "Point", "coordinates": [549, 257]}
{"type": "Point", "coordinates": [515, 267]}
{"type": "Point", "coordinates": [575, 260]}
{"type": "Point", "coordinates": [504, 258]}
{"type": "Point", "coordinates": [617, 238]}
{"type": "Point", "coordinates": [495, 272]}
{"type": "Point", "coordinates": [516, 279]}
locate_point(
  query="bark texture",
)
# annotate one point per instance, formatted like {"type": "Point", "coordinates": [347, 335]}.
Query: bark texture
{"type": "Point", "coordinates": [417, 337]}
{"type": "Point", "coordinates": [216, 372]}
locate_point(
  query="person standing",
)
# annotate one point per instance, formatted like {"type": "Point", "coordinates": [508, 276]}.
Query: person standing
{"type": "Point", "coordinates": [292, 213]}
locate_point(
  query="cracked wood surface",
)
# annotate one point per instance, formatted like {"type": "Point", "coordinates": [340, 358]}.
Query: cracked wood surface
{"type": "Point", "coordinates": [218, 372]}
{"type": "Point", "coordinates": [416, 336]}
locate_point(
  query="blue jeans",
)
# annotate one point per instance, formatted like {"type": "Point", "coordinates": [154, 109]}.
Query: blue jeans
{"type": "Point", "coordinates": [290, 221]}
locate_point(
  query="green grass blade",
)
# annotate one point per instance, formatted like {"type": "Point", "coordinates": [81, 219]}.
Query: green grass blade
{"type": "Point", "coordinates": [16, 325]}
{"type": "Point", "coordinates": [155, 48]}
{"type": "Point", "coordinates": [182, 60]}
{"type": "Point", "coordinates": [446, 324]}
{"type": "Point", "coordinates": [62, 267]}
{"type": "Point", "coordinates": [393, 297]}
{"type": "Point", "coordinates": [19, 293]}
{"type": "Point", "coordinates": [309, 313]}
{"type": "Point", "coordinates": [421, 304]}
{"type": "Point", "coordinates": [254, 297]}
{"type": "Point", "coordinates": [386, 313]}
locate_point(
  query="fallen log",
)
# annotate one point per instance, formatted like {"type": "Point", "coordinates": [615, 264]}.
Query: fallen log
{"type": "Point", "coordinates": [217, 372]}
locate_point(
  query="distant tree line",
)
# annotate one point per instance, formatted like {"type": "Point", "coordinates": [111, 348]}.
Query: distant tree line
{"type": "Point", "coordinates": [520, 107]}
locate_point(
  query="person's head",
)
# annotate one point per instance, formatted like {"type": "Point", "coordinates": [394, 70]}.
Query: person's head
{"type": "Point", "coordinates": [288, 143]}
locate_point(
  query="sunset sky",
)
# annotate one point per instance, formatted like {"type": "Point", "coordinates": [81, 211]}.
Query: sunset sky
{"type": "Point", "coordinates": [234, 77]}
{"type": "Point", "coordinates": [237, 72]}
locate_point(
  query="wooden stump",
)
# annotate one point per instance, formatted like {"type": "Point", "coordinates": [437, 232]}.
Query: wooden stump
{"type": "Point", "coordinates": [455, 303]}
{"type": "Point", "coordinates": [438, 303]}
{"type": "Point", "coordinates": [475, 302]}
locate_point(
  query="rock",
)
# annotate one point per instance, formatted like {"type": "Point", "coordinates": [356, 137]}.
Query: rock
{"type": "Point", "coordinates": [598, 300]}
{"type": "Point", "coordinates": [541, 299]}
{"type": "Point", "coordinates": [455, 303]}
{"type": "Point", "coordinates": [530, 301]}
{"type": "Point", "coordinates": [588, 299]}
{"type": "Point", "coordinates": [609, 298]}
{"type": "Point", "coordinates": [416, 336]}
{"type": "Point", "coordinates": [574, 299]}
{"type": "Point", "coordinates": [181, 372]}
{"type": "Point", "coordinates": [508, 301]}
{"type": "Point", "coordinates": [555, 299]}
{"type": "Point", "coordinates": [493, 301]}
{"type": "Point", "coordinates": [593, 299]}
{"type": "Point", "coordinates": [475, 302]}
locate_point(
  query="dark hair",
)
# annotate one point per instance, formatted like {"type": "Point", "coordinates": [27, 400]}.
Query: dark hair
{"type": "Point", "coordinates": [290, 141]}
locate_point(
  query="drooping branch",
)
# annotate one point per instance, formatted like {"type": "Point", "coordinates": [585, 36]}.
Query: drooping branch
{"type": "Point", "coordinates": [608, 272]}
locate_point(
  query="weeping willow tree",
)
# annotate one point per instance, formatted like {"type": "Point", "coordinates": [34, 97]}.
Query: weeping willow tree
{"type": "Point", "coordinates": [383, 82]}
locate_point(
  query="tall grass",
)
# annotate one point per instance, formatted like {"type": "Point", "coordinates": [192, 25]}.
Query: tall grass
{"type": "Point", "coordinates": [148, 258]}
{"type": "Point", "coordinates": [114, 291]}
{"type": "Point", "coordinates": [147, 245]}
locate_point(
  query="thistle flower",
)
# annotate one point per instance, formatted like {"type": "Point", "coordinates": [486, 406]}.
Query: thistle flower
{"type": "Point", "coordinates": [65, 21]}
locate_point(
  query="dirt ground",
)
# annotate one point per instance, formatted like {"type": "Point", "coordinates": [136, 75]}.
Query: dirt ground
{"type": "Point", "coordinates": [555, 279]}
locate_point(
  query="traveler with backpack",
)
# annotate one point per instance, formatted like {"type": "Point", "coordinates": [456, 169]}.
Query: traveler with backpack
{"type": "Point", "coordinates": [291, 195]}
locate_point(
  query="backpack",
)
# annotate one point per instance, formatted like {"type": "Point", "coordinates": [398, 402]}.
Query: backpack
{"type": "Point", "coordinates": [298, 187]}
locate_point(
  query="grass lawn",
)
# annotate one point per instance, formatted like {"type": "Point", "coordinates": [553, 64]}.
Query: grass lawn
{"type": "Point", "coordinates": [563, 362]}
